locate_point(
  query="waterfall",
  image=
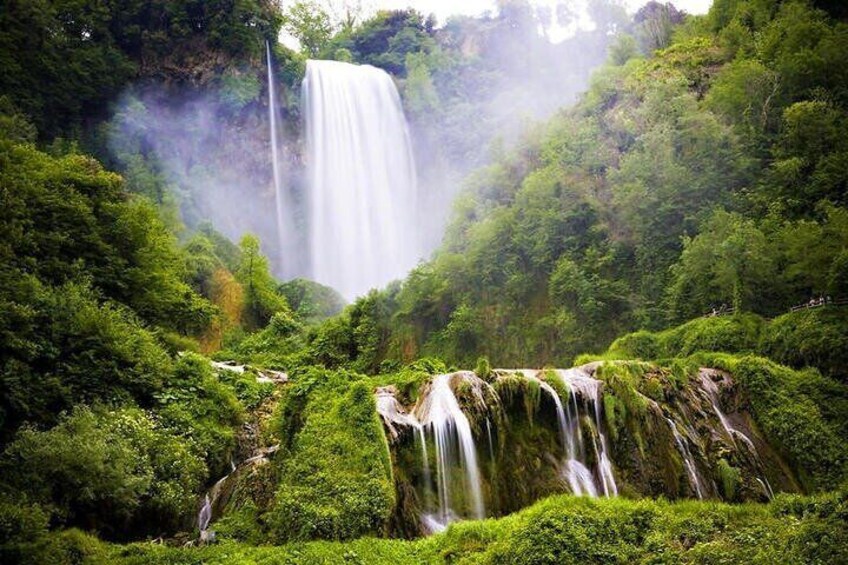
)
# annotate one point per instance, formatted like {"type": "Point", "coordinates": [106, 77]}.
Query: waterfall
{"type": "Point", "coordinates": [363, 195]}
{"type": "Point", "coordinates": [205, 515]}
{"type": "Point", "coordinates": [563, 420]}
{"type": "Point", "coordinates": [688, 461]}
{"type": "Point", "coordinates": [441, 415]}
{"type": "Point", "coordinates": [286, 232]}
{"type": "Point", "coordinates": [710, 389]}
{"type": "Point", "coordinates": [589, 389]}
{"type": "Point", "coordinates": [579, 478]}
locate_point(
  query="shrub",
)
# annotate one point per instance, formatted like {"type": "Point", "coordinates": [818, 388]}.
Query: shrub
{"type": "Point", "coordinates": [197, 405]}
{"type": "Point", "coordinates": [810, 338]}
{"type": "Point", "coordinates": [105, 470]}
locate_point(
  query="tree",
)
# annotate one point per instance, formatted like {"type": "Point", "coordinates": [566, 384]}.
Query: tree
{"type": "Point", "coordinates": [261, 299]}
{"type": "Point", "coordinates": [310, 25]}
{"type": "Point", "coordinates": [730, 262]}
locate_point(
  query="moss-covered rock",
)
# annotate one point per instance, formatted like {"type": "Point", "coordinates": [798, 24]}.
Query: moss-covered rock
{"type": "Point", "coordinates": [336, 475]}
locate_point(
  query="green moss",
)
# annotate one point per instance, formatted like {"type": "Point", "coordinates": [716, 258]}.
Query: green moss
{"type": "Point", "coordinates": [336, 477]}
{"type": "Point", "coordinates": [565, 529]}
{"type": "Point", "coordinates": [795, 416]}
{"type": "Point", "coordinates": [729, 478]}
{"type": "Point", "coordinates": [638, 345]}
{"type": "Point", "coordinates": [810, 338]}
{"type": "Point", "coordinates": [731, 334]}
{"type": "Point", "coordinates": [483, 369]}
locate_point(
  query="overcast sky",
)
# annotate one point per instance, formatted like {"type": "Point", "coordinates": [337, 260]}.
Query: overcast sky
{"type": "Point", "coordinates": [444, 8]}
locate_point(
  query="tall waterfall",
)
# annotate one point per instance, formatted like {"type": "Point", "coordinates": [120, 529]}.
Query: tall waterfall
{"type": "Point", "coordinates": [363, 195]}
{"type": "Point", "coordinates": [286, 232]}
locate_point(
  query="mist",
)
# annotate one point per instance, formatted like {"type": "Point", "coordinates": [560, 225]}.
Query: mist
{"type": "Point", "coordinates": [215, 154]}
{"type": "Point", "coordinates": [471, 90]}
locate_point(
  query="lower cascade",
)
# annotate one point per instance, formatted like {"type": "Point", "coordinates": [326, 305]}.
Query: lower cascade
{"type": "Point", "coordinates": [475, 447]}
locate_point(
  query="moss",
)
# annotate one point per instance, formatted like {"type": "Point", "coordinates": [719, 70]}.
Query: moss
{"type": "Point", "coordinates": [729, 479]}
{"type": "Point", "coordinates": [483, 369]}
{"type": "Point", "coordinates": [638, 345]}
{"type": "Point", "coordinates": [566, 529]}
{"type": "Point", "coordinates": [336, 476]}
{"type": "Point", "coordinates": [810, 338]}
{"type": "Point", "coordinates": [731, 334]}
{"type": "Point", "coordinates": [793, 418]}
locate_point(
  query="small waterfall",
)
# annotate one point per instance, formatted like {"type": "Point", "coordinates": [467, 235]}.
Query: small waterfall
{"type": "Point", "coordinates": [491, 442]}
{"type": "Point", "coordinates": [562, 419]}
{"type": "Point", "coordinates": [441, 415]}
{"type": "Point", "coordinates": [688, 461]}
{"type": "Point", "coordinates": [711, 391]}
{"type": "Point", "coordinates": [579, 478]}
{"type": "Point", "coordinates": [392, 412]}
{"type": "Point", "coordinates": [364, 227]}
{"type": "Point", "coordinates": [205, 515]}
{"type": "Point", "coordinates": [286, 232]}
{"type": "Point", "coordinates": [580, 382]}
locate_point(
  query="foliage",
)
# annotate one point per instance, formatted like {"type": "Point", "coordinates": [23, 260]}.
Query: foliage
{"type": "Point", "coordinates": [810, 338]}
{"type": "Point", "coordinates": [336, 478]}
{"type": "Point", "coordinates": [65, 61]}
{"type": "Point", "coordinates": [311, 301]}
{"type": "Point", "coordinates": [261, 299]}
{"type": "Point", "coordinates": [567, 529]}
{"type": "Point", "coordinates": [105, 470]}
{"type": "Point", "coordinates": [806, 338]}
{"type": "Point", "coordinates": [310, 24]}
{"type": "Point", "coordinates": [60, 347]}
{"type": "Point", "coordinates": [204, 409]}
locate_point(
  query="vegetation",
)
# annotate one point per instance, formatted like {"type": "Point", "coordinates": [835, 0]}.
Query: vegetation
{"type": "Point", "coordinates": [336, 478]}
{"type": "Point", "coordinates": [668, 221]}
{"type": "Point", "coordinates": [681, 183]}
{"type": "Point", "coordinates": [570, 530]}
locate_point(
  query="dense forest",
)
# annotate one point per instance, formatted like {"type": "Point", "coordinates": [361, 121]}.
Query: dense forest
{"type": "Point", "coordinates": [659, 200]}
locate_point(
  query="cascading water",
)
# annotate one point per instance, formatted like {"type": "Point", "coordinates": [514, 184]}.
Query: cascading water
{"type": "Point", "coordinates": [711, 391]}
{"type": "Point", "coordinates": [441, 416]}
{"type": "Point", "coordinates": [286, 232]}
{"type": "Point", "coordinates": [688, 461]}
{"type": "Point", "coordinates": [589, 389]}
{"type": "Point", "coordinates": [535, 456]}
{"type": "Point", "coordinates": [363, 194]}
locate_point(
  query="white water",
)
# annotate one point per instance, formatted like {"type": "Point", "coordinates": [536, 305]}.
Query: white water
{"type": "Point", "coordinates": [688, 461]}
{"type": "Point", "coordinates": [363, 213]}
{"type": "Point", "coordinates": [579, 478]}
{"type": "Point", "coordinates": [563, 421]}
{"type": "Point", "coordinates": [205, 515]}
{"type": "Point", "coordinates": [580, 382]}
{"type": "Point", "coordinates": [711, 391]}
{"type": "Point", "coordinates": [442, 416]}
{"type": "Point", "coordinates": [286, 232]}
{"type": "Point", "coordinates": [392, 412]}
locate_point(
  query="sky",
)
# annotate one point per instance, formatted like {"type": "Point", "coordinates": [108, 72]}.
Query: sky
{"type": "Point", "coordinates": [444, 8]}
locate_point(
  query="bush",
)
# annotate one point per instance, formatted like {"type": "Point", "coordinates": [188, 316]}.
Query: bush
{"type": "Point", "coordinates": [810, 338]}
{"type": "Point", "coordinates": [64, 347]}
{"type": "Point", "coordinates": [197, 405]}
{"type": "Point", "coordinates": [105, 470]}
